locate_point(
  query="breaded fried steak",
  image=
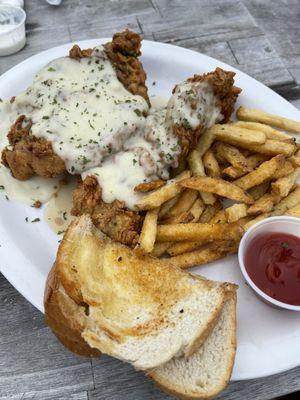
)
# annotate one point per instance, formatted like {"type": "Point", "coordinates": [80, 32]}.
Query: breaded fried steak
{"type": "Point", "coordinates": [89, 114]}
{"type": "Point", "coordinates": [32, 153]}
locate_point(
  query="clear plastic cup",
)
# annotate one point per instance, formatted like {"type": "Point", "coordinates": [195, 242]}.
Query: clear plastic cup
{"type": "Point", "coordinates": [12, 29]}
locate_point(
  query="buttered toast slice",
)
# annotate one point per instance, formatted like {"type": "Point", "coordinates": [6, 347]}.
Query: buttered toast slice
{"type": "Point", "coordinates": [66, 318]}
{"type": "Point", "coordinates": [138, 308]}
{"type": "Point", "coordinates": [207, 372]}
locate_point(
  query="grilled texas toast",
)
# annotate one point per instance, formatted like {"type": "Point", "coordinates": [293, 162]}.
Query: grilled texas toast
{"type": "Point", "coordinates": [138, 308]}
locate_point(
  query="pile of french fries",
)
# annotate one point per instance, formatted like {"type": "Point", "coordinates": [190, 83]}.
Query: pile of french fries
{"type": "Point", "coordinates": [240, 173]}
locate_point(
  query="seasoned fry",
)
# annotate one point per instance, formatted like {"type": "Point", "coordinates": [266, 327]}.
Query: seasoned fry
{"type": "Point", "coordinates": [183, 204]}
{"type": "Point", "coordinates": [217, 186]}
{"type": "Point", "coordinates": [255, 115]}
{"type": "Point", "coordinates": [203, 256]}
{"type": "Point", "coordinates": [205, 142]}
{"type": "Point", "coordinates": [197, 232]}
{"type": "Point", "coordinates": [219, 218]}
{"type": "Point", "coordinates": [237, 136]}
{"type": "Point", "coordinates": [286, 169]}
{"type": "Point", "coordinates": [211, 165]}
{"type": "Point", "coordinates": [283, 186]}
{"type": "Point", "coordinates": [197, 209]}
{"type": "Point", "coordinates": [257, 219]}
{"type": "Point", "coordinates": [270, 133]}
{"type": "Point", "coordinates": [263, 173]}
{"type": "Point", "coordinates": [148, 186]}
{"type": "Point", "coordinates": [209, 212]}
{"type": "Point", "coordinates": [167, 205]}
{"type": "Point", "coordinates": [294, 211]}
{"type": "Point", "coordinates": [232, 155]}
{"type": "Point", "coordinates": [258, 191]}
{"type": "Point", "coordinates": [148, 232]}
{"type": "Point", "coordinates": [295, 159]}
{"type": "Point", "coordinates": [183, 247]}
{"type": "Point", "coordinates": [288, 202]}
{"type": "Point", "coordinates": [236, 212]}
{"type": "Point", "coordinates": [274, 147]}
{"type": "Point", "coordinates": [159, 196]}
{"type": "Point", "coordinates": [264, 204]}
{"type": "Point", "coordinates": [197, 168]}
{"type": "Point", "coordinates": [160, 248]}
{"type": "Point", "coordinates": [253, 161]}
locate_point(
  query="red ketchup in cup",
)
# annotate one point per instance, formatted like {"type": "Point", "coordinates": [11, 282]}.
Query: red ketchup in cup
{"type": "Point", "coordinates": [272, 261]}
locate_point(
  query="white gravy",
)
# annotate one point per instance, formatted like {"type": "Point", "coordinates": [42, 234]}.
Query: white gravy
{"type": "Point", "coordinates": [194, 104]}
{"type": "Point", "coordinates": [58, 210]}
{"type": "Point", "coordinates": [99, 128]}
{"type": "Point", "coordinates": [27, 192]}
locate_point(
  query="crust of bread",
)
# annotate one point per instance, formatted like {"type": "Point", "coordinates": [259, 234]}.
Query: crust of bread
{"type": "Point", "coordinates": [65, 318]}
{"type": "Point", "coordinates": [184, 392]}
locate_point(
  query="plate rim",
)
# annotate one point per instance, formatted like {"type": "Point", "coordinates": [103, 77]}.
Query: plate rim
{"type": "Point", "coordinates": [170, 47]}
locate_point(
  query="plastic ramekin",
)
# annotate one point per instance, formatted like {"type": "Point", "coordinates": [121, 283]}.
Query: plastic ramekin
{"type": "Point", "coordinates": [13, 39]}
{"type": "Point", "coordinates": [282, 224]}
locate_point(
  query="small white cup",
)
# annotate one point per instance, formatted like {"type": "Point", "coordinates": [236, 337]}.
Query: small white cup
{"type": "Point", "coordinates": [13, 39]}
{"type": "Point", "coordinates": [282, 224]}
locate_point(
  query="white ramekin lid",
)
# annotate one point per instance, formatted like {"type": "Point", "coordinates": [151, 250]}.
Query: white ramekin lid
{"type": "Point", "coordinates": [282, 224]}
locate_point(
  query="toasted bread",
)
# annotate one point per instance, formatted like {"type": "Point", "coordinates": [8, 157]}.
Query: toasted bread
{"type": "Point", "coordinates": [138, 308]}
{"type": "Point", "coordinates": [207, 372]}
{"type": "Point", "coordinates": [66, 318]}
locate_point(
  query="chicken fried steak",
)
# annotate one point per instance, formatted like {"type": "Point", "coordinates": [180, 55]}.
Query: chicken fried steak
{"type": "Point", "coordinates": [28, 155]}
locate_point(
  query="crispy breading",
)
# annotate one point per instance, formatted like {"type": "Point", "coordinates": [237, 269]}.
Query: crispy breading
{"type": "Point", "coordinates": [226, 93]}
{"type": "Point", "coordinates": [31, 156]}
{"type": "Point", "coordinates": [113, 219]}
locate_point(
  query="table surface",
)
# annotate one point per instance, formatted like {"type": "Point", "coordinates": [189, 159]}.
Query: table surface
{"type": "Point", "coordinates": [259, 37]}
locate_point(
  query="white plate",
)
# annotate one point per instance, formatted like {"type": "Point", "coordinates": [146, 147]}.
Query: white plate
{"type": "Point", "coordinates": [268, 339]}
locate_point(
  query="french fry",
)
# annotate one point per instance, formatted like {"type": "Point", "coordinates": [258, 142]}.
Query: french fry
{"type": "Point", "coordinates": [236, 212]}
{"type": "Point", "coordinates": [237, 136]}
{"type": "Point", "coordinates": [197, 168]}
{"type": "Point", "coordinates": [217, 186]}
{"type": "Point", "coordinates": [202, 256]}
{"type": "Point", "coordinates": [232, 155]}
{"type": "Point", "coordinates": [190, 216]}
{"type": "Point", "coordinates": [211, 165]}
{"type": "Point", "coordinates": [205, 142]}
{"type": "Point", "coordinates": [209, 212]}
{"type": "Point", "coordinates": [255, 115]}
{"type": "Point", "coordinates": [160, 248]}
{"type": "Point", "coordinates": [270, 133]}
{"type": "Point", "coordinates": [163, 194]}
{"type": "Point", "coordinates": [166, 206]}
{"type": "Point", "coordinates": [263, 173]}
{"type": "Point", "coordinates": [219, 218]}
{"type": "Point", "coordinates": [197, 209]}
{"type": "Point", "coordinates": [197, 232]}
{"type": "Point", "coordinates": [283, 186]}
{"type": "Point", "coordinates": [295, 159]}
{"type": "Point", "coordinates": [264, 204]}
{"type": "Point", "coordinates": [183, 247]}
{"type": "Point", "coordinates": [294, 211]}
{"type": "Point", "coordinates": [183, 204]}
{"type": "Point", "coordinates": [258, 191]}
{"type": "Point", "coordinates": [148, 186]}
{"type": "Point", "coordinates": [288, 202]}
{"type": "Point", "coordinates": [274, 147]}
{"type": "Point", "coordinates": [148, 232]}
{"type": "Point", "coordinates": [286, 169]}
{"type": "Point", "coordinates": [257, 219]}
{"type": "Point", "coordinates": [253, 161]}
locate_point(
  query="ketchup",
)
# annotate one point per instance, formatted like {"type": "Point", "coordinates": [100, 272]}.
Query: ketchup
{"type": "Point", "coordinates": [273, 263]}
